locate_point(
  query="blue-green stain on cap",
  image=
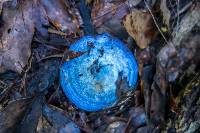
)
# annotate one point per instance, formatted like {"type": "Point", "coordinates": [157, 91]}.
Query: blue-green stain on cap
{"type": "Point", "coordinates": [89, 81]}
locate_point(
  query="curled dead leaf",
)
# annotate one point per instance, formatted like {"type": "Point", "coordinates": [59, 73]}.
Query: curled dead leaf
{"type": "Point", "coordinates": [141, 27]}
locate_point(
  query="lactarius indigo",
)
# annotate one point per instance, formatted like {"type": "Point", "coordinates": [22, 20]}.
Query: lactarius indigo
{"type": "Point", "coordinates": [92, 80]}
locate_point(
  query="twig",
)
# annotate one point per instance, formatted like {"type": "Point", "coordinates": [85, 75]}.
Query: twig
{"type": "Point", "coordinates": [43, 42]}
{"type": "Point", "coordinates": [182, 10]}
{"type": "Point", "coordinates": [2, 83]}
{"type": "Point", "coordinates": [50, 30]}
{"type": "Point", "coordinates": [155, 22]}
{"type": "Point", "coordinates": [51, 56]}
{"type": "Point", "coordinates": [196, 77]}
{"type": "Point", "coordinates": [6, 91]}
{"type": "Point", "coordinates": [178, 18]}
{"type": "Point", "coordinates": [23, 84]}
{"type": "Point", "coordinates": [54, 93]}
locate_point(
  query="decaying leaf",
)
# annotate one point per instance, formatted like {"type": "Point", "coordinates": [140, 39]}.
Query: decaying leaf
{"type": "Point", "coordinates": [43, 77]}
{"type": "Point", "coordinates": [189, 101]}
{"type": "Point", "coordinates": [141, 27]}
{"type": "Point", "coordinates": [59, 121]}
{"type": "Point", "coordinates": [32, 115]}
{"type": "Point", "coordinates": [1, 4]}
{"type": "Point", "coordinates": [62, 16]}
{"type": "Point", "coordinates": [19, 20]}
{"type": "Point", "coordinates": [107, 17]}
{"type": "Point", "coordinates": [13, 114]}
{"type": "Point", "coordinates": [16, 36]}
{"type": "Point", "coordinates": [138, 117]}
{"type": "Point", "coordinates": [105, 10]}
{"type": "Point", "coordinates": [172, 59]}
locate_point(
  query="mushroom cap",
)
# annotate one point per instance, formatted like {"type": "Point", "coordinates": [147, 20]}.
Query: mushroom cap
{"type": "Point", "coordinates": [90, 80]}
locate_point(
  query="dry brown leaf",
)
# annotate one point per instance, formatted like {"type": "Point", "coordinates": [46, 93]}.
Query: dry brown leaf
{"type": "Point", "coordinates": [62, 15]}
{"type": "Point", "coordinates": [105, 10]}
{"type": "Point", "coordinates": [141, 27]}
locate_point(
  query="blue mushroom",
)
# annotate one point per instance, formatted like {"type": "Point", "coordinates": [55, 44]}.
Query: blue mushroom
{"type": "Point", "coordinates": [90, 81]}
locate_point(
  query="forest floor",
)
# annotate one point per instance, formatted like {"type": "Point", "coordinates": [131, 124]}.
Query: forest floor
{"type": "Point", "coordinates": [164, 36]}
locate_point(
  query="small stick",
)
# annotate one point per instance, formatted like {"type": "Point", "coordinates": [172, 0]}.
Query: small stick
{"type": "Point", "coordinates": [156, 22]}
{"type": "Point", "coordinates": [50, 30]}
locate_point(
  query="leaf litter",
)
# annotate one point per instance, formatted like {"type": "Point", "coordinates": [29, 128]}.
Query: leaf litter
{"type": "Point", "coordinates": [35, 39]}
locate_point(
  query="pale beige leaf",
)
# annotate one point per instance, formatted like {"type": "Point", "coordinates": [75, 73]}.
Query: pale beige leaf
{"type": "Point", "coordinates": [141, 27]}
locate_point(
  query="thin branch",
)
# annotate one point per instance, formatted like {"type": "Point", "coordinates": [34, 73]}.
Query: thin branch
{"type": "Point", "coordinates": [155, 22]}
